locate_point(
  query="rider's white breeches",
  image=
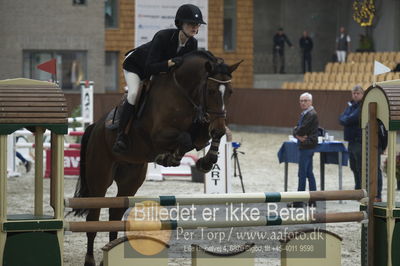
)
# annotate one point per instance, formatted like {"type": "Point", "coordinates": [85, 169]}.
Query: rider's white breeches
{"type": "Point", "coordinates": [133, 82]}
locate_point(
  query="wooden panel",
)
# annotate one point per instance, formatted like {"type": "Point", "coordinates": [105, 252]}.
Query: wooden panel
{"type": "Point", "coordinates": [280, 108]}
{"type": "Point", "coordinates": [32, 109]}
{"type": "Point", "coordinates": [51, 86]}
{"type": "Point", "coordinates": [31, 94]}
{"type": "Point", "coordinates": [272, 107]}
{"type": "Point", "coordinates": [394, 113]}
{"type": "Point", "coordinates": [394, 98]}
{"type": "Point", "coordinates": [32, 104]}
{"type": "Point", "coordinates": [26, 90]}
{"type": "Point", "coordinates": [33, 121]}
{"type": "Point", "coordinates": [31, 99]}
{"type": "Point", "coordinates": [29, 114]}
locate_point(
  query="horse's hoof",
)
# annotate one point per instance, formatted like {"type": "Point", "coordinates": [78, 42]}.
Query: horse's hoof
{"type": "Point", "coordinates": [202, 166]}
{"type": "Point", "coordinates": [161, 159]}
{"type": "Point", "coordinates": [174, 163]}
{"type": "Point", "coordinates": [89, 260]}
{"type": "Point", "coordinates": [166, 160]}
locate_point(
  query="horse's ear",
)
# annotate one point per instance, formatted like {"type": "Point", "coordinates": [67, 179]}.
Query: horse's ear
{"type": "Point", "coordinates": [209, 67]}
{"type": "Point", "coordinates": [234, 66]}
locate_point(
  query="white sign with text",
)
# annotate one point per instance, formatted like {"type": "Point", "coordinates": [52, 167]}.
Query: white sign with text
{"type": "Point", "coordinates": [154, 15]}
{"type": "Point", "coordinates": [218, 180]}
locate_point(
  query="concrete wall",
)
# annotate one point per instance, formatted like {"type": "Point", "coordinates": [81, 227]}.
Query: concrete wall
{"type": "Point", "coordinates": [387, 31]}
{"type": "Point", "coordinates": [51, 25]}
{"type": "Point", "coordinates": [322, 18]}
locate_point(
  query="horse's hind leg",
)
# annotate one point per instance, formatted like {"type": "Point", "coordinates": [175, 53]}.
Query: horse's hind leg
{"type": "Point", "coordinates": [99, 179]}
{"type": "Point", "coordinates": [93, 215]}
{"type": "Point", "coordinates": [129, 178]}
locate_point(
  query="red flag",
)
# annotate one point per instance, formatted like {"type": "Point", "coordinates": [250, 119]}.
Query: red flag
{"type": "Point", "coordinates": [49, 66]}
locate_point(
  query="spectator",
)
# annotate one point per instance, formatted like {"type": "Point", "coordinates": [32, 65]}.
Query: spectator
{"type": "Point", "coordinates": [350, 119]}
{"type": "Point", "coordinates": [279, 50]}
{"type": "Point", "coordinates": [306, 45]}
{"type": "Point", "coordinates": [306, 133]}
{"type": "Point", "coordinates": [25, 162]}
{"type": "Point", "coordinates": [397, 68]}
{"type": "Point", "coordinates": [342, 45]}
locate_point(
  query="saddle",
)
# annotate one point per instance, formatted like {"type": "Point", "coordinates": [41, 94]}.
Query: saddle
{"type": "Point", "coordinates": [112, 120]}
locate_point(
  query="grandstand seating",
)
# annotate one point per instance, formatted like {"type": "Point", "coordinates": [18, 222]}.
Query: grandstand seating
{"type": "Point", "coordinates": [343, 76]}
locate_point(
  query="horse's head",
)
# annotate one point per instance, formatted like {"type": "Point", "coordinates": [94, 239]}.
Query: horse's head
{"type": "Point", "coordinates": [208, 80]}
{"type": "Point", "coordinates": [218, 91]}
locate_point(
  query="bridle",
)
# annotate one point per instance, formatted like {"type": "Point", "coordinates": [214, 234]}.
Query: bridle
{"type": "Point", "coordinates": [202, 115]}
{"type": "Point", "coordinates": [216, 114]}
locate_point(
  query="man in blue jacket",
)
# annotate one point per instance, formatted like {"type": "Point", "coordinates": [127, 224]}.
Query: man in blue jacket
{"type": "Point", "coordinates": [350, 119]}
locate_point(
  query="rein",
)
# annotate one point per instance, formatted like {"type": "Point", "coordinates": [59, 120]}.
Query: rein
{"type": "Point", "coordinates": [217, 114]}
{"type": "Point", "coordinates": [202, 115]}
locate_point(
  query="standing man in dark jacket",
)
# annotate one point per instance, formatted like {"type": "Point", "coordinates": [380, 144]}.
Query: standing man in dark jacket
{"type": "Point", "coordinates": [306, 133]}
{"type": "Point", "coordinates": [306, 45]}
{"type": "Point", "coordinates": [279, 50]}
{"type": "Point", "coordinates": [350, 119]}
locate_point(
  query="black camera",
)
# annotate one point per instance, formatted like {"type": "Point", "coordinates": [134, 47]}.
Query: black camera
{"type": "Point", "coordinates": [235, 145]}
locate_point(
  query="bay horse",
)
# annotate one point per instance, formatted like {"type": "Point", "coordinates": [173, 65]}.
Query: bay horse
{"type": "Point", "coordinates": [185, 108]}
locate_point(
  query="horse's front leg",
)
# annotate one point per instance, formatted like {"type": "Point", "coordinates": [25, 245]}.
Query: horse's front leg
{"type": "Point", "coordinates": [180, 143]}
{"type": "Point", "coordinates": [205, 163]}
{"type": "Point", "coordinates": [170, 159]}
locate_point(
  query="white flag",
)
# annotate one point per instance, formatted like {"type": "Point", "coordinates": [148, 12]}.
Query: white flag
{"type": "Point", "coordinates": [380, 68]}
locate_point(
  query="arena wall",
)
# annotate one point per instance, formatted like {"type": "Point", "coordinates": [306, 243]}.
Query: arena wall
{"type": "Point", "coordinates": [256, 107]}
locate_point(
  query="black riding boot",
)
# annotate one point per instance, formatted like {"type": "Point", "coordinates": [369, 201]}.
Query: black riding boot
{"type": "Point", "coordinates": [121, 143]}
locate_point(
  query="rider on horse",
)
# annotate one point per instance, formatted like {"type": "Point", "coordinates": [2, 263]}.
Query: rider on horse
{"type": "Point", "coordinates": [156, 56]}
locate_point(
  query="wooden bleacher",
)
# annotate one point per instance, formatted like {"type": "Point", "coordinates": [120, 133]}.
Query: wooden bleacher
{"type": "Point", "coordinates": [343, 76]}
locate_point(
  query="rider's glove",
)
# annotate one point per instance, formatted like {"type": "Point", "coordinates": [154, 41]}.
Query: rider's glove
{"type": "Point", "coordinates": [177, 60]}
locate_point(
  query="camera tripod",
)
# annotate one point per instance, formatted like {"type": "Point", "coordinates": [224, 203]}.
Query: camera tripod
{"type": "Point", "coordinates": [236, 165]}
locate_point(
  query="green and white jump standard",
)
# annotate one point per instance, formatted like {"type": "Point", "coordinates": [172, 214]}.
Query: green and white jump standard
{"type": "Point", "coordinates": [381, 102]}
{"type": "Point", "coordinates": [35, 238]}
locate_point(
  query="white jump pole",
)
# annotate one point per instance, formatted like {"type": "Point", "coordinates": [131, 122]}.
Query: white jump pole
{"type": "Point", "coordinates": [11, 162]}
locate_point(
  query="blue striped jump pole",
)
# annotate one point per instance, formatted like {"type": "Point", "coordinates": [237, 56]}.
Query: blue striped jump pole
{"type": "Point", "coordinates": [203, 199]}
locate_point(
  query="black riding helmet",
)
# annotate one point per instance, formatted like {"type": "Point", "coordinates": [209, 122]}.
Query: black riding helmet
{"type": "Point", "coordinates": [188, 13]}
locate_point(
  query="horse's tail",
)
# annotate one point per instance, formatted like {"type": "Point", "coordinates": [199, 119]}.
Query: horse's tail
{"type": "Point", "coordinates": [82, 189]}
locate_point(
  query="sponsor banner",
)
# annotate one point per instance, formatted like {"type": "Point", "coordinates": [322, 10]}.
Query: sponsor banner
{"type": "Point", "coordinates": [154, 15]}
{"type": "Point", "coordinates": [71, 163]}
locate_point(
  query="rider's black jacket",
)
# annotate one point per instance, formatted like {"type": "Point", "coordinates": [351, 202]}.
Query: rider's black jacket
{"type": "Point", "coordinates": [152, 57]}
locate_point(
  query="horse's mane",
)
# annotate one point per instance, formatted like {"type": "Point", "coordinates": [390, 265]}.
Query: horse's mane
{"type": "Point", "coordinates": [204, 54]}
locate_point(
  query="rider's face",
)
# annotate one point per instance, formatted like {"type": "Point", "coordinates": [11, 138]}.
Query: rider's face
{"type": "Point", "coordinates": [191, 29]}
